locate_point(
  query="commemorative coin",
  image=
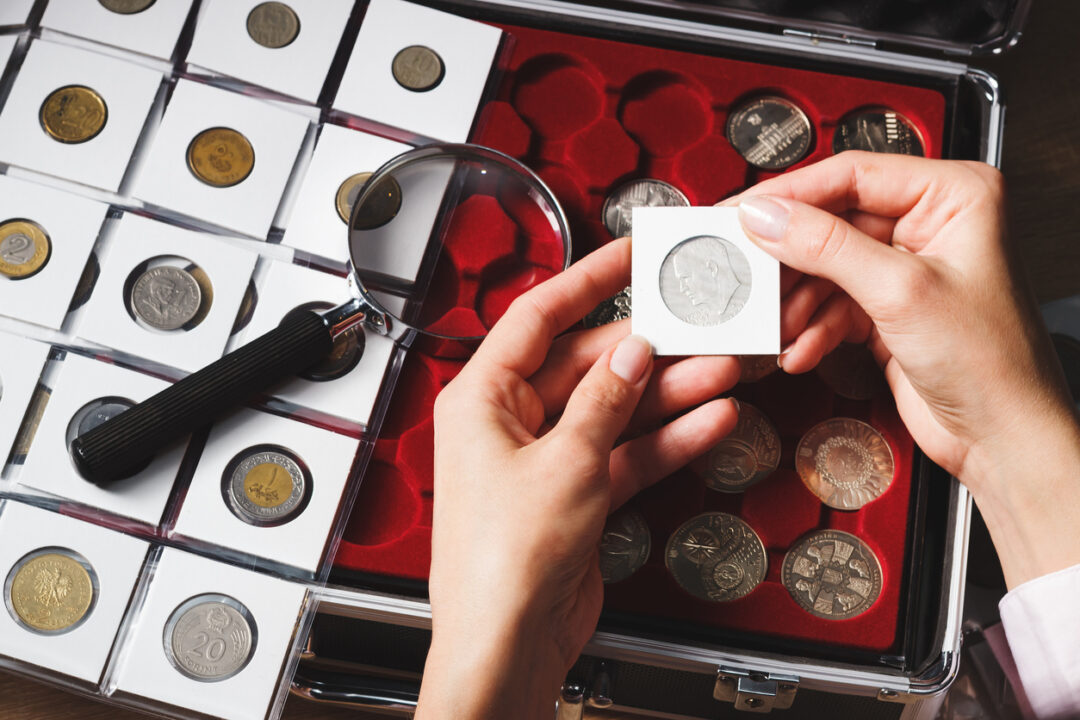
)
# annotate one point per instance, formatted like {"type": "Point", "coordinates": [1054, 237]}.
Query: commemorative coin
{"type": "Point", "coordinates": [210, 637]}
{"type": "Point", "coordinates": [717, 557]}
{"type": "Point", "coordinates": [624, 546]}
{"type": "Point", "coordinates": [221, 157]}
{"type": "Point", "coordinates": [851, 371]}
{"type": "Point", "coordinates": [881, 130]}
{"type": "Point", "coordinates": [619, 206]}
{"type": "Point", "coordinates": [51, 591]}
{"type": "Point", "coordinates": [705, 281]}
{"type": "Point", "coordinates": [770, 133]}
{"type": "Point", "coordinates": [748, 455]}
{"type": "Point", "coordinates": [166, 297]}
{"type": "Point", "coordinates": [845, 463]}
{"type": "Point", "coordinates": [266, 485]}
{"type": "Point", "coordinates": [24, 249]}
{"type": "Point", "coordinates": [832, 574]}
{"type": "Point", "coordinates": [273, 24]}
{"type": "Point", "coordinates": [74, 114]}
{"type": "Point", "coordinates": [418, 68]}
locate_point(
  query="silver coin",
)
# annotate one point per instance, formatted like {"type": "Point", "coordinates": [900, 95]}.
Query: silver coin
{"type": "Point", "coordinates": [882, 131]}
{"type": "Point", "coordinates": [717, 557]}
{"type": "Point", "coordinates": [166, 297]}
{"type": "Point", "coordinates": [95, 413]}
{"type": "Point", "coordinates": [619, 206]}
{"type": "Point", "coordinates": [265, 486]}
{"type": "Point", "coordinates": [624, 546]}
{"type": "Point", "coordinates": [17, 249]}
{"type": "Point", "coordinates": [832, 574]}
{"type": "Point", "coordinates": [210, 638]}
{"type": "Point", "coordinates": [705, 280]}
{"type": "Point", "coordinates": [770, 133]}
{"type": "Point", "coordinates": [748, 455]}
{"type": "Point", "coordinates": [614, 309]}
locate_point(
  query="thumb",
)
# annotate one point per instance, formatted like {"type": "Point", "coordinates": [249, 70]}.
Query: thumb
{"type": "Point", "coordinates": [819, 243]}
{"type": "Point", "coordinates": [600, 407]}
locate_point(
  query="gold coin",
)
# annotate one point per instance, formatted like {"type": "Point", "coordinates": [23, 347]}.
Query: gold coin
{"type": "Point", "coordinates": [50, 592]}
{"type": "Point", "coordinates": [273, 24]}
{"type": "Point", "coordinates": [832, 574]}
{"type": "Point", "coordinates": [24, 249]}
{"type": "Point", "coordinates": [221, 157]}
{"type": "Point", "coordinates": [126, 7]}
{"type": "Point", "coordinates": [73, 114]}
{"type": "Point", "coordinates": [268, 485]}
{"type": "Point", "coordinates": [346, 194]}
{"type": "Point", "coordinates": [845, 462]}
{"type": "Point", "coordinates": [418, 68]}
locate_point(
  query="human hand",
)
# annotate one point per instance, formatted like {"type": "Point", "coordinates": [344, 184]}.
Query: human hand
{"type": "Point", "coordinates": [527, 468]}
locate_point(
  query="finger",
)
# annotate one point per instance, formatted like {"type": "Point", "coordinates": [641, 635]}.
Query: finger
{"type": "Point", "coordinates": [521, 338]}
{"type": "Point", "coordinates": [800, 305]}
{"type": "Point", "coordinates": [570, 357]}
{"type": "Point", "coordinates": [827, 329]}
{"type": "Point", "coordinates": [637, 464]}
{"type": "Point", "coordinates": [789, 278]}
{"type": "Point", "coordinates": [876, 226]}
{"type": "Point", "coordinates": [683, 385]}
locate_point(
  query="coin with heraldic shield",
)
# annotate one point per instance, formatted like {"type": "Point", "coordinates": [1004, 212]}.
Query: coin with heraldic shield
{"type": "Point", "coordinates": [210, 638]}
{"type": "Point", "coordinates": [166, 297]}
{"type": "Point", "coordinates": [221, 157]}
{"type": "Point", "coordinates": [749, 454]}
{"type": "Point", "coordinates": [624, 546]}
{"type": "Point", "coordinates": [126, 7]}
{"type": "Point", "coordinates": [705, 281]}
{"type": "Point", "coordinates": [24, 249]}
{"type": "Point", "coordinates": [770, 133]}
{"type": "Point", "coordinates": [619, 206]}
{"type": "Point", "coordinates": [882, 131]}
{"type": "Point", "coordinates": [614, 309]}
{"type": "Point", "coordinates": [832, 574]}
{"type": "Point", "coordinates": [717, 557]}
{"type": "Point", "coordinates": [50, 591]}
{"type": "Point", "coordinates": [418, 68]}
{"type": "Point", "coordinates": [74, 114]}
{"type": "Point", "coordinates": [845, 463]}
{"type": "Point", "coordinates": [273, 24]}
{"type": "Point", "coordinates": [265, 486]}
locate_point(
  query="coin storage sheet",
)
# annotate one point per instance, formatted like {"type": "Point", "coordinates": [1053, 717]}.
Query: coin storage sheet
{"type": "Point", "coordinates": [57, 616]}
{"type": "Point", "coordinates": [15, 12]}
{"type": "Point", "coordinates": [153, 31]}
{"type": "Point", "coordinates": [94, 138]}
{"type": "Point", "coordinates": [21, 363]}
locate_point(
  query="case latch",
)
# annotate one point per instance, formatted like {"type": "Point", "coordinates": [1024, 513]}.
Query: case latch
{"type": "Point", "coordinates": [755, 691]}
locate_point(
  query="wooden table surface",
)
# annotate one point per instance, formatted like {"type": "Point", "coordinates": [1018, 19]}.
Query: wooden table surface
{"type": "Point", "coordinates": [1042, 163]}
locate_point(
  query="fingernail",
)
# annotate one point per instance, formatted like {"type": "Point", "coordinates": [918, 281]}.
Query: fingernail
{"type": "Point", "coordinates": [630, 358]}
{"type": "Point", "coordinates": [738, 407]}
{"type": "Point", "coordinates": [780, 358]}
{"type": "Point", "coordinates": [764, 217]}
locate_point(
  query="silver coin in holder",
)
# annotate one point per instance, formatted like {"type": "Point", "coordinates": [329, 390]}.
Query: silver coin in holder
{"type": "Point", "coordinates": [266, 485]}
{"type": "Point", "coordinates": [705, 281]}
{"type": "Point", "coordinates": [210, 637]}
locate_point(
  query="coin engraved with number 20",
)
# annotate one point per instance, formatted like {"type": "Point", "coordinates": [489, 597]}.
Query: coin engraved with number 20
{"type": "Point", "coordinates": [705, 280]}
{"type": "Point", "coordinates": [210, 637]}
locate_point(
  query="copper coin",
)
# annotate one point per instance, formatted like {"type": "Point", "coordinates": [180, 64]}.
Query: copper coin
{"type": "Point", "coordinates": [770, 133]}
{"type": "Point", "coordinates": [624, 546]}
{"type": "Point", "coordinates": [126, 7]}
{"type": "Point", "coordinates": [221, 157]}
{"type": "Point", "coordinates": [748, 455]}
{"type": "Point", "coordinates": [418, 68]}
{"type": "Point", "coordinates": [74, 114]}
{"type": "Point", "coordinates": [50, 591]}
{"type": "Point", "coordinates": [756, 367]}
{"type": "Point", "coordinates": [717, 557]}
{"type": "Point", "coordinates": [832, 574]}
{"type": "Point", "coordinates": [347, 193]}
{"type": "Point", "coordinates": [851, 371]}
{"type": "Point", "coordinates": [880, 130]}
{"type": "Point", "coordinates": [273, 24]}
{"type": "Point", "coordinates": [24, 249]}
{"type": "Point", "coordinates": [845, 463]}
{"type": "Point", "coordinates": [614, 309]}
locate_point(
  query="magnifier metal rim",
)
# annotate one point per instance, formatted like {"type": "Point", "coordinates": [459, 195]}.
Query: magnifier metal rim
{"type": "Point", "coordinates": [464, 151]}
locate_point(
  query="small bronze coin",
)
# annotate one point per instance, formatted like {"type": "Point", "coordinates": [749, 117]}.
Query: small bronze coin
{"type": "Point", "coordinates": [880, 130]}
{"type": "Point", "coordinates": [380, 205]}
{"type": "Point", "coordinates": [756, 367]}
{"type": "Point", "coordinates": [614, 309]}
{"type": "Point", "coordinates": [221, 157]}
{"type": "Point", "coordinates": [265, 485]}
{"type": "Point", "coordinates": [347, 193]}
{"type": "Point", "coordinates": [832, 574]}
{"type": "Point", "coordinates": [24, 249]}
{"type": "Point", "coordinates": [50, 591]}
{"type": "Point", "coordinates": [748, 455]}
{"type": "Point", "coordinates": [126, 7]}
{"type": "Point", "coordinates": [770, 133]}
{"type": "Point", "coordinates": [624, 546]}
{"type": "Point", "coordinates": [73, 114]}
{"type": "Point", "coordinates": [273, 24]}
{"type": "Point", "coordinates": [845, 463]}
{"type": "Point", "coordinates": [851, 371]}
{"type": "Point", "coordinates": [717, 557]}
{"type": "Point", "coordinates": [418, 68]}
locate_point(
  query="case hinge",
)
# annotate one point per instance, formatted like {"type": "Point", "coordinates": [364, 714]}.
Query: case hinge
{"type": "Point", "coordinates": [755, 691]}
{"type": "Point", "coordinates": [837, 39]}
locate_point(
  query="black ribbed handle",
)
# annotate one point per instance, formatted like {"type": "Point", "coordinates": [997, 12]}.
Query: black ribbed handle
{"type": "Point", "coordinates": [122, 446]}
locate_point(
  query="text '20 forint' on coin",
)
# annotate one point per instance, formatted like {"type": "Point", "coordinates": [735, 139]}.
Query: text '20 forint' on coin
{"type": "Point", "coordinates": [624, 546]}
{"type": "Point", "coordinates": [210, 637]}
{"type": "Point", "coordinates": [51, 591]}
{"type": "Point", "coordinates": [24, 249]}
{"type": "Point", "coordinates": [748, 455]}
{"type": "Point", "coordinates": [845, 463]}
{"type": "Point", "coordinates": [705, 281]}
{"type": "Point", "coordinates": [717, 557]}
{"type": "Point", "coordinates": [832, 574]}
{"type": "Point", "coordinates": [618, 212]}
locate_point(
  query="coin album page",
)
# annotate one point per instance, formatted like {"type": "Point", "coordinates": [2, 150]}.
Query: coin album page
{"type": "Point", "coordinates": [21, 363]}
{"type": "Point", "coordinates": [153, 32]}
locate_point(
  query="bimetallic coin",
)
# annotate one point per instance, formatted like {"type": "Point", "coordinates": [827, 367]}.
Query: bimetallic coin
{"type": "Point", "coordinates": [717, 557]}
{"type": "Point", "coordinates": [845, 462]}
{"type": "Point", "coordinates": [126, 7]}
{"type": "Point", "coordinates": [210, 638]}
{"type": "Point", "coordinates": [624, 546]}
{"type": "Point", "coordinates": [265, 486]}
{"type": "Point", "coordinates": [705, 281]}
{"type": "Point", "coordinates": [748, 455]}
{"type": "Point", "coordinates": [73, 114]}
{"type": "Point", "coordinates": [221, 157]}
{"type": "Point", "coordinates": [418, 68]}
{"type": "Point", "coordinates": [770, 133]}
{"type": "Point", "coordinates": [614, 309]}
{"type": "Point", "coordinates": [756, 367]}
{"type": "Point", "coordinates": [51, 591]}
{"type": "Point", "coordinates": [24, 249]}
{"type": "Point", "coordinates": [273, 24]}
{"type": "Point", "coordinates": [832, 574]}
{"type": "Point", "coordinates": [880, 130]}
{"type": "Point", "coordinates": [851, 371]}
{"type": "Point", "coordinates": [619, 206]}
{"type": "Point", "coordinates": [166, 297]}
{"type": "Point", "coordinates": [346, 194]}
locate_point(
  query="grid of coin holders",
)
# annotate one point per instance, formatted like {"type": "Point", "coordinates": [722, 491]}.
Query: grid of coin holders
{"type": "Point", "coordinates": [125, 202]}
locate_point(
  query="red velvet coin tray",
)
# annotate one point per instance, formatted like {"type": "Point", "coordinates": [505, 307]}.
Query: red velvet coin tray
{"type": "Point", "coordinates": [588, 114]}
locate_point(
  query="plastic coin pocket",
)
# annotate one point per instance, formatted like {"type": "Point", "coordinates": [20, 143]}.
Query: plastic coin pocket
{"type": "Point", "coordinates": [21, 365]}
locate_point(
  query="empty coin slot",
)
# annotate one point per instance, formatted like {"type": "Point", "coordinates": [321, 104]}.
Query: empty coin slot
{"type": "Point", "coordinates": [168, 293]}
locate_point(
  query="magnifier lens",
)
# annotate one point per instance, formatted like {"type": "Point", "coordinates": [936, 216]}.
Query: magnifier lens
{"type": "Point", "coordinates": [459, 231]}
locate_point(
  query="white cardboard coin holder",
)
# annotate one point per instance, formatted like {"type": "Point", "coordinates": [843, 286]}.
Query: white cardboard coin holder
{"type": "Point", "coordinates": [72, 224]}
{"type": "Point", "coordinates": [276, 135]}
{"type": "Point", "coordinates": [753, 330]}
{"type": "Point", "coordinates": [49, 468]}
{"type": "Point", "coordinates": [301, 543]}
{"type": "Point", "coordinates": [15, 12]}
{"type": "Point", "coordinates": [136, 240]}
{"type": "Point", "coordinates": [468, 50]}
{"type": "Point", "coordinates": [223, 46]}
{"type": "Point", "coordinates": [153, 31]}
{"type": "Point", "coordinates": [351, 397]}
{"type": "Point", "coordinates": [128, 90]}
{"type": "Point", "coordinates": [117, 562]}
{"type": "Point", "coordinates": [315, 225]}
{"type": "Point", "coordinates": [21, 363]}
{"type": "Point", "coordinates": [7, 46]}
{"type": "Point", "coordinates": [143, 671]}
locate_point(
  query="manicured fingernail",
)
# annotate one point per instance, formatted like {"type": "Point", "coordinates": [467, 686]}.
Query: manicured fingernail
{"type": "Point", "coordinates": [630, 358]}
{"type": "Point", "coordinates": [780, 358]}
{"type": "Point", "coordinates": [738, 407]}
{"type": "Point", "coordinates": [764, 217]}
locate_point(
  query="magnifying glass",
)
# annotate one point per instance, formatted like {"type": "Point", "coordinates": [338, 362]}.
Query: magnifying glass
{"type": "Point", "coordinates": [455, 231]}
